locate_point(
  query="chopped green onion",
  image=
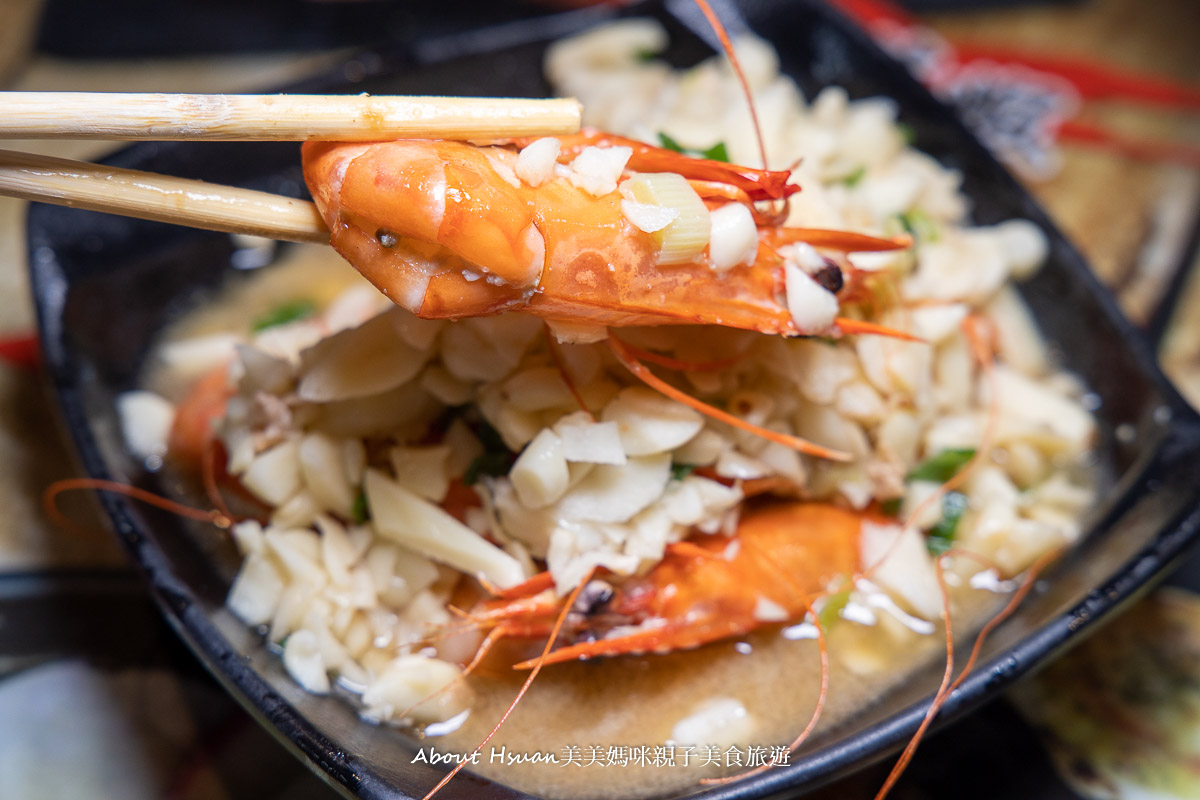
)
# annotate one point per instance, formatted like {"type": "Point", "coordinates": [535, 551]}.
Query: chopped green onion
{"type": "Point", "coordinates": [681, 471]}
{"type": "Point", "coordinates": [496, 458]}
{"type": "Point", "coordinates": [360, 512]}
{"type": "Point", "coordinates": [669, 143]}
{"type": "Point", "coordinates": [891, 506]}
{"type": "Point", "coordinates": [645, 54]}
{"type": "Point", "coordinates": [917, 223]}
{"type": "Point", "coordinates": [941, 467]}
{"type": "Point", "coordinates": [717, 152]}
{"type": "Point", "coordinates": [488, 436]}
{"type": "Point", "coordinates": [940, 537]}
{"type": "Point", "coordinates": [854, 177]}
{"type": "Point", "coordinates": [444, 420]}
{"type": "Point", "coordinates": [282, 315]}
{"type": "Point", "coordinates": [493, 464]}
{"type": "Point", "coordinates": [906, 132]}
{"type": "Point", "coordinates": [685, 237]}
{"type": "Point", "coordinates": [831, 612]}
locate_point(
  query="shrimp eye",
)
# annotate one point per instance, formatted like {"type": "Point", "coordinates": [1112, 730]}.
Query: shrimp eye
{"type": "Point", "coordinates": [386, 238]}
{"type": "Point", "coordinates": [830, 277]}
{"type": "Point", "coordinates": [593, 597]}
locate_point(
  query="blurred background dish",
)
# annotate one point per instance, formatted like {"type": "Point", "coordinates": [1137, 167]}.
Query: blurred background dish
{"type": "Point", "coordinates": [18, 30]}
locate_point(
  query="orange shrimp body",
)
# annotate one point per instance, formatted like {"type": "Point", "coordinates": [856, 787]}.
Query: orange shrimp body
{"type": "Point", "coordinates": [447, 230]}
{"type": "Point", "coordinates": [705, 589]}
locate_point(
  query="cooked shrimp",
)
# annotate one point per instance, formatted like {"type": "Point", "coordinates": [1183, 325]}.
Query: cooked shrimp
{"type": "Point", "coordinates": [783, 556]}
{"type": "Point", "coordinates": [450, 230]}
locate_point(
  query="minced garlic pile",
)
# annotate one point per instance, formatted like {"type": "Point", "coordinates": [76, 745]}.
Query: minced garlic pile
{"type": "Point", "coordinates": [361, 427]}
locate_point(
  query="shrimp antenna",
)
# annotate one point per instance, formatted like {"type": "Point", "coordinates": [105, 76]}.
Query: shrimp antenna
{"type": "Point", "coordinates": [943, 691]}
{"type": "Point", "coordinates": [814, 718]}
{"type": "Point", "coordinates": [946, 689]}
{"type": "Point", "coordinates": [727, 43]}
{"type": "Point", "coordinates": [849, 327]}
{"type": "Point", "coordinates": [1027, 583]}
{"type": "Point", "coordinates": [561, 365]}
{"type": "Point", "coordinates": [50, 502]}
{"type": "Point", "coordinates": [822, 693]}
{"type": "Point", "coordinates": [208, 472]}
{"type": "Point", "coordinates": [642, 372]}
{"type": "Point", "coordinates": [680, 365]}
{"type": "Point", "coordinates": [537, 667]}
{"type": "Point", "coordinates": [780, 213]}
{"type": "Point", "coordinates": [494, 635]}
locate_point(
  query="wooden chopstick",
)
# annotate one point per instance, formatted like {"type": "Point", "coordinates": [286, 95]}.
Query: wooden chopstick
{"type": "Point", "coordinates": [248, 117]}
{"type": "Point", "coordinates": [163, 198]}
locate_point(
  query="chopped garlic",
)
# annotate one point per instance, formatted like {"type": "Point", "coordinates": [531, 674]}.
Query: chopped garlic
{"type": "Point", "coordinates": [1020, 342]}
{"type": "Point", "coordinates": [540, 474]}
{"type": "Point", "coordinates": [577, 332]}
{"type": "Point", "coordinates": [610, 493]}
{"type": "Point", "coordinates": [1024, 245]}
{"type": "Point", "coordinates": [899, 562]}
{"type": "Point", "coordinates": [248, 535]}
{"type": "Point", "coordinates": [417, 682]}
{"type": "Point", "coordinates": [464, 446]}
{"type": "Point", "coordinates": [812, 306]}
{"type": "Point", "coordinates": [805, 256]}
{"type": "Point", "coordinates": [740, 466]}
{"type": "Point", "coordinates": [302, 658]}
{"type": "Point", "coordinates": [447, 388]}
{"type": "Point", "coordinates": [535, 162]}
{"type": "Point", "coordinates": [648, 217]}
{"type": "Point", "coordinates": [1028, 407]}
{"type": "Point", "coordinates": [407, 519]}
{"type": "Point", "coordinates": [189, 358]}
{"type": "Point", "coordinates": [322, 464]}
{"type": "Point", "coordinates": [648, 422]}
{"type": "Point", "coordinates": [299, 551]}
{"type": "Point", "coordinates": [298, 512]}
{"type": "Point", "coordinates": [274, 475]}
{"type": "Point", "coordinates": [703, 449]}
{"type": "Point", "coordinates": [767, 610]}
{"type": "Point", "coordinates": [146, 420]}
{"type": "Point", "coordinates": [422, 470]}
{"type": "Point", "coordinates": [537, 389]}
{"type": "Point", "coordinates": [256, 370]}
{"type": "Point", "coordinates": [487, 348]}
{"type": "Point", "coordinates": [588, 441]}
{"type": "Point", "coordinates": [734, 237]}
{"type": "Point", "coordinates": [256, 591]}
{"type": "Point", "coordinates": [360, 362]}
{"type": "Point", "coordinates": [596, 170]}
{"type": "Point", "coordinates": [937, 323]}
{"type": "Point", "coordinates": [721, 721]}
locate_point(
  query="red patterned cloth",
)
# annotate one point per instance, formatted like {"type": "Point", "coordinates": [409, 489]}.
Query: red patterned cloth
{"type": "Point", "coordinates": [1020, 104]}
